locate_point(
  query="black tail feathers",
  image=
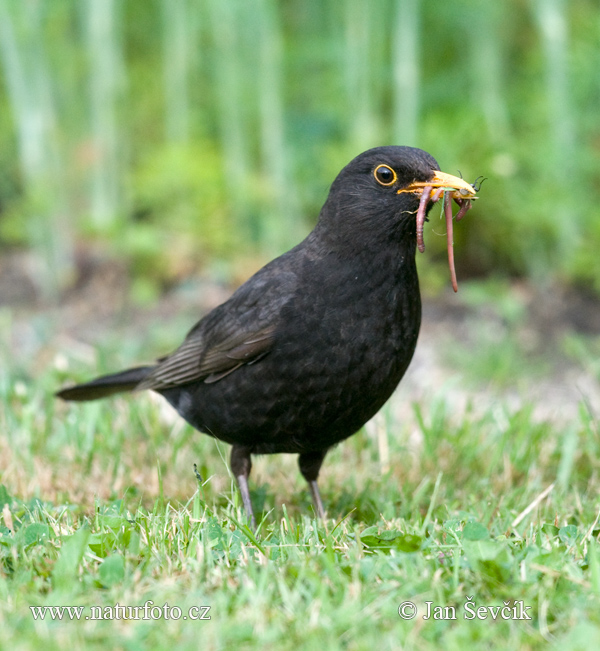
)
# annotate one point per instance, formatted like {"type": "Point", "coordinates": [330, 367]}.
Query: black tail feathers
{"type": "Point", "coordinates": [106, 385]}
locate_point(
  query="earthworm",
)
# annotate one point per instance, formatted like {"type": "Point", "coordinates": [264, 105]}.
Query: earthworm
{"type": "Point", "coordinates": [465, 204]}
{"type": "Point", "coordinates": [437, 194]}
{"type": "Point", "coordinates": [448, 214]}
{"type": "Point", "coordinates": [421, 216]}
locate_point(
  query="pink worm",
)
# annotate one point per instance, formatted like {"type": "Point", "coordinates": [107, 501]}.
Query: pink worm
{"type": "Point", "coordinates": [465, 204]}
{"type": "Point", "coordinates": [437, 194]}
{"type": "Point", "coordinates": [421, 216]}
{"type": "Point", "coordinates": [448, 214]}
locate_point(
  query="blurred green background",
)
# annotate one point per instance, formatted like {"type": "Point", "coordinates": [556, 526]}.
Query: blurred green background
{"type": "Point", "coordinates": [175, 134]}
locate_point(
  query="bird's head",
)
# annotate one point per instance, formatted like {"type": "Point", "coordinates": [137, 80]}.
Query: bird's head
{"type": "Point", "coordinates": [383, 196]}
{"type": "Point", "coordinates": [382, 188]}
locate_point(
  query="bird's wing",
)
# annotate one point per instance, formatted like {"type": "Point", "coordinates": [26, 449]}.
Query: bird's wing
{"type": "Point", "coordinates": [238, 332]}
{"type": "Point", "coordinates": [193, 360]}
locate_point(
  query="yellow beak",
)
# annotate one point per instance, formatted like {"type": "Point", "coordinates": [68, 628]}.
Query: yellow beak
{"type": "Point", "coordinates": [462, 189]}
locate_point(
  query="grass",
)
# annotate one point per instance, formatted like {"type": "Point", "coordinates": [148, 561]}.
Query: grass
{"type": "Point", "coordinates": [100, 506]}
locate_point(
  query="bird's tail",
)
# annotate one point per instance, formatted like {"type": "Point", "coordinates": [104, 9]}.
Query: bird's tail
{"type": "Point", "coordinates": [106, 385]}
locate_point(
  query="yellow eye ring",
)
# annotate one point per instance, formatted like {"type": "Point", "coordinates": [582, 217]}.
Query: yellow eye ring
{"type": "Point", "coordinates": [385, 175]}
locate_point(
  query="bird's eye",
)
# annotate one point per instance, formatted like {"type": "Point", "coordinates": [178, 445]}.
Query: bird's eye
{"type": "Point", "coordinates": [385, 175]}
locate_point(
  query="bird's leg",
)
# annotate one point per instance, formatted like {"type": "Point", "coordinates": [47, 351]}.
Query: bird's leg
{"type": "Point", "coordinates": [310, 464]}
{"type": "Point", "coordinates": [241, 465]}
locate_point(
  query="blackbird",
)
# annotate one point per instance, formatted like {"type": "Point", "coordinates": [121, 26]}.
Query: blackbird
{"type": "Point", "coordinates": [307, 350]}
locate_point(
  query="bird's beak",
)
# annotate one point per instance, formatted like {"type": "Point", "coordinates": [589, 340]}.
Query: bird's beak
{"type": "Point", "coordinates": [462, 189]}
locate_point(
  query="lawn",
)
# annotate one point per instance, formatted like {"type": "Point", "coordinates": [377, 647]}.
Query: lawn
{"type": "Point", "coordinates": [476, 520]}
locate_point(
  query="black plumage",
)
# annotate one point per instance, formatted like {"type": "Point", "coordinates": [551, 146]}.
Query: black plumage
{"type": "Point", "coordinates": [311, 346]}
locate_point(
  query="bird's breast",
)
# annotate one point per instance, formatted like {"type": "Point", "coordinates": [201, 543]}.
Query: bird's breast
{"type": "Point", "coordinates": [364, 320]}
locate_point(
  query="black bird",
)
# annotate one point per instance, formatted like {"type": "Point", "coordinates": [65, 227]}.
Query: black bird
{"type": "Point", "coordinates": [307, 350]}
